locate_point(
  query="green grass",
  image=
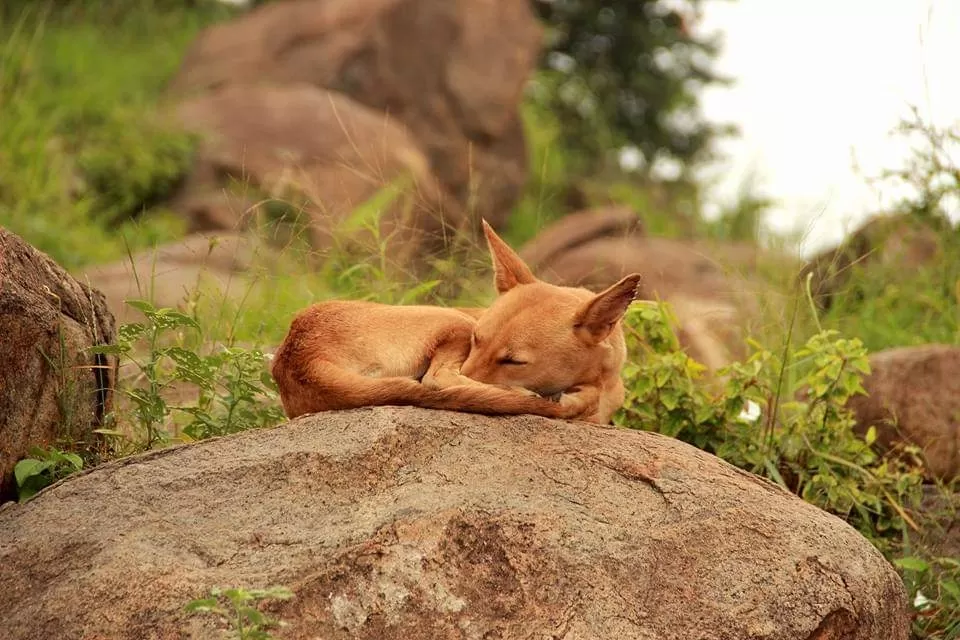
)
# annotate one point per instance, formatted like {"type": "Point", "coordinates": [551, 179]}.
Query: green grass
{"type": "Point", "coordinates": [83, 143]}
{"type": "Point", "coordinates": [887, 306]}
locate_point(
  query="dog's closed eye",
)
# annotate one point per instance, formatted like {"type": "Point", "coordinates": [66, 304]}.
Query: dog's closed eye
{"type": "Point", "coordinates": [509, 360]}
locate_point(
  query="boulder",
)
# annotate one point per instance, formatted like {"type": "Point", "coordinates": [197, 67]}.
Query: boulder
{"type": "Point", "coordinates": [325, 155]}
{"type": "Point", "coordinates": [901, 243]}
{"type": "Point", "coordinates": [52, 390]}
{"type": "Point", "coordinates": [710, 285]}
{"type": "Point", "coordinates": [402, 522]}
{"type": "Point", "coordinates": [452, 71]}
{"type": "Point", "coordinates": [939, 535]}
{"type": "Point", "coordinates": [577, 229]}
{"type": "Point", "coordinates": [913, 396]}
{"type": "Point", "coordinates": [177, 273]}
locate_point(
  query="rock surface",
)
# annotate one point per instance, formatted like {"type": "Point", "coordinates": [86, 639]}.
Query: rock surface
{"type": "Point", "coordinates": [323, 154]}
{"type": "Point", "coordinates": [50, 388]}
{"type": "Point", "coordinates": [402, 522]}
{"type": "Point", "coordinates": [453, 72]}
{"type": "Point", "coordinates": [914, 397]}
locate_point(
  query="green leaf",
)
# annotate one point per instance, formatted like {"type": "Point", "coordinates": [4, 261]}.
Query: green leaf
{"type": "Point", "coordinates": [367, 214]}
{"type": "Point", "coordinates": [252, 614]}
{"type": "Point", "coordinates": [952, 588]}
{"type": "Point", "coordinates": [281, 593]}
{"type": "Point", "coordinates": [28, 468]}
{"type": "Point", "coordinates": [413, 294]}
{"type": "Point", "coordinates": [143, 306]}
{"type": "Point", "coordinates": [774, 473]}
{"type": "Point", "coordinates": [171, 319]}
{"type": "Point", "coordinates": [670, 398]}
{"type": "Point", "coordinates": [642, 386]}
{"type": "Point", "coordinates": [75, 461]}
{"type": "Point", "coordinates": [662, 376]}
{"type": "Point", "coordinates": [107, 349]}
{"type": "Point", "coordinates": [911, 563]}
{"type": "Point", "coordinates": [130, 332]}
{"type": "Point", "coordinates": [861, 364]}
{"type": "Point", "coordinates": [201, 605]}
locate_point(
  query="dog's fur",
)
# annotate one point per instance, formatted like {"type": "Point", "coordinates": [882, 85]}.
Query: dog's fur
{"type": "Point", "coordinates": [552, 339]}
{"type": "Point", "coordinates": [536, 340]}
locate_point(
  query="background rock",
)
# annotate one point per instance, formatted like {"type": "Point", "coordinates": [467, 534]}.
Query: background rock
{"type": "Point", "coordinates": [452, 71]}
{"type": "Point", "coordinates": [50, 388]}
{"type": "Point", "coordinates": [322, 153]}
{"type": "Point", "coordinates": [710, 285]}
{"type": "Point", "coordinates": [392, 521]}
{"type": "Point", "coordinates": [914, 397]}
{"type": "Point", "coordinates": [172, 274]}
{"type": "Point", "coordinates": [899, 241]}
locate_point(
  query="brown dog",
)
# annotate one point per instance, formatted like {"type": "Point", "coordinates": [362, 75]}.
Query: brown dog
{"type": "Point", "coordinates": [536, 340]}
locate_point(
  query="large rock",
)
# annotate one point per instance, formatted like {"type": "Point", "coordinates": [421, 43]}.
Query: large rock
{"type": "Point", "coordinates": [452, 71]}
{"type": "Point", "coordinates": [178, 273]}
{"type": "Point", "coordinates": [402, 522]}
{"type": "Point", "coordinates": [52, 391]}
{"type": "Point", "coordinates": [901, 243]}
{"type": "Point", "coordinates": [325, 155]}
{"type": "Point", "coordinates": [913, 396]}
{"type": "Point", "coordinates": [709, 285]}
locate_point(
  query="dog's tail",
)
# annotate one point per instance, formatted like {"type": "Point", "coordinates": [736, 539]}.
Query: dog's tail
{"type": "Point", "coordinates": [490, 401]}
{"type": "Point", "coordinates": [309, 391]}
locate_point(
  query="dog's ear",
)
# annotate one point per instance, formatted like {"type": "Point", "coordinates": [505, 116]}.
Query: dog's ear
{"type": "Point", "coordinates": [596, 319]}
{"type": "Point", "coordinates": [509, 270]}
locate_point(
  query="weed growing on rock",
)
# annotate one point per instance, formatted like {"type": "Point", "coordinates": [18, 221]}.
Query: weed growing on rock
{"type": "Point", "coordinates": [238, 608]}
{"type": "Point", "coordinates": [43, 468]}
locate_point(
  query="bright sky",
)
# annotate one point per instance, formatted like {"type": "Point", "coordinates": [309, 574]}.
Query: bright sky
{"type": "Point", "coordinates": [820, 83]}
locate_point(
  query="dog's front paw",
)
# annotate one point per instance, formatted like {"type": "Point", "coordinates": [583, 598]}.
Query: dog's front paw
{"type": "Point", "coordinates": [523, 391]}
{"type": "Point", "coordinates": [574, 407]}
{"type": "Point", "coordinates": [431, 383]}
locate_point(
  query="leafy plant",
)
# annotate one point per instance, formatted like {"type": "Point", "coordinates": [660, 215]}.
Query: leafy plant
{"type": "Point", "coordinates": [43, 468]}
{"type": "Point", "coordinates": [229, 383]}
{"type": "Point", "coordinates": [237, 607]}
{"type": "Point", "coordinates": [804, 439]}
{"type": "Point", "coordinates": [235, 391]}
{"type": "Point", "coordinates": [934, 585]}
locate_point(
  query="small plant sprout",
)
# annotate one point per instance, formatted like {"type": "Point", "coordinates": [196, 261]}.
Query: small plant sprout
{"type": "Point", "coordinates": [237, 607]}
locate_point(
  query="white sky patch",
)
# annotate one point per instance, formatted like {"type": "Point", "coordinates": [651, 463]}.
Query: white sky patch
{"type": "Point", "coordinates": [819, 86]}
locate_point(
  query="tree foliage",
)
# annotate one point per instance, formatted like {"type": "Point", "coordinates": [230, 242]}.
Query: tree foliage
{"type": "Point", "coordinates": [629, 72]}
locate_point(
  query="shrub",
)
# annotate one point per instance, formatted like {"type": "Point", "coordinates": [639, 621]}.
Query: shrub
{"type": "Point", "coordinates": [803, 438]}
{"type": "Point", "coordinates": [234, 390]}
